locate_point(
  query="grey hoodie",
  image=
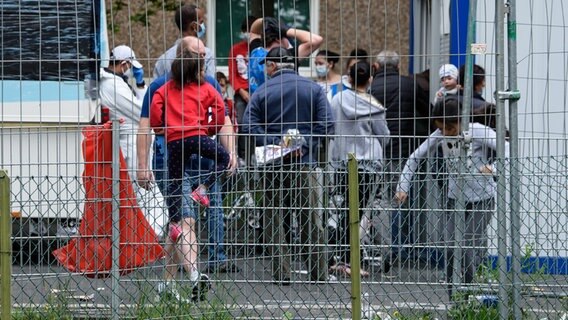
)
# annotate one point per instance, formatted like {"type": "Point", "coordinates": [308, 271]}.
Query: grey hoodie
{"type": "Point", "coordinates": [360, 128]}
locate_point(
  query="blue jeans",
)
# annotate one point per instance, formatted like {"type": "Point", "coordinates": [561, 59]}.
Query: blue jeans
{"type": "Point", "coordinates": [192, 178]}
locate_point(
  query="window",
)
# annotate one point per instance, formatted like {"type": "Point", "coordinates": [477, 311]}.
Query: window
{"type": "Point", "coordinates": [48, 40]}
{"type": "Point", "coordinates": [229, 14]}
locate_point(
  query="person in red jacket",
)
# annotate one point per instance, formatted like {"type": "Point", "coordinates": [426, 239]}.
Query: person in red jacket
{"type": "Point", "coordinates": [191, 110]}
{"type": "Point", "coordinates": [238, 76]}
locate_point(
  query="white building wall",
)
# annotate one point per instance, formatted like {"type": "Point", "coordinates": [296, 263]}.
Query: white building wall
{"type": "Point", "coordinates": [542, 67]}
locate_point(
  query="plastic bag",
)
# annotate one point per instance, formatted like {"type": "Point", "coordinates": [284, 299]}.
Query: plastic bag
{"type": "Point", "coordinates": [90, 253]}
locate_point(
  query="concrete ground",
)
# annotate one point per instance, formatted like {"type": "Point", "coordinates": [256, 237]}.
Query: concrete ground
{"type": "Point", "coordinates": [411, 288]}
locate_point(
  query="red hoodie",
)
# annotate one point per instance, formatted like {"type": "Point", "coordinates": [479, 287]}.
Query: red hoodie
{"type": "Point", "coordinates": [184, 112]}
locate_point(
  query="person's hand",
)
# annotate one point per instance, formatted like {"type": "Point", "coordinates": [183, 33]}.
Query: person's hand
{"type": "Point", "coordinates": [233, 163]}
{"type": "Point", "coordinates": [272, 26]}
{"type": "Point", "coordinates": [400, 197]}
{"type": "Point", "coordinates": [108, 124]}
{"type": "Point", "coordinates": [145, 178]}
{"type": "Point", "coordinates": [486, 169]}
{"type": "Point", "coordinates": [245, 95]}
{"type": "Point", "coordinates": [138, 74]}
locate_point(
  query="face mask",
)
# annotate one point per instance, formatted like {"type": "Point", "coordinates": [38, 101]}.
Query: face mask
{"type": "Point", "coordinates": [128, 73]}
{"type": "Point", "coordinates": [201, 31]}
{"type": "Point", "coordinates": [321, 71]}
{"type": "Point", "coordinates": [244, 36]}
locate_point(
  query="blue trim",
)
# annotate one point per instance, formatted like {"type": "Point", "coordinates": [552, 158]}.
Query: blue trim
{"type": "Point", "coordinates": [40, 91]}
{"type": "Point", "coordinates": [545, 265]}
{"type": "Point", "coordinates": [459, 12]}
{"type": "Point", "coordinates": [411, 39]}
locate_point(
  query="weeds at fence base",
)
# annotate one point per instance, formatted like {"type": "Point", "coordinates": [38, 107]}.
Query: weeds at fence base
{"type": "Point", "coordinates": [468, 306]}
{"type": "Point", "coordinates": [397, 315]}
{"type": "Point", "coordinates": [473, 311]}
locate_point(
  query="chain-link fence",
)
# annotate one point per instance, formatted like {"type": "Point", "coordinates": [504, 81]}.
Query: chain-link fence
{"type": "Point", "coordinates": [353, 192]}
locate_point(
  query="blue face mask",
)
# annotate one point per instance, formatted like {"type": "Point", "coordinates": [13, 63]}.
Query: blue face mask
{"type": "Point", "coordinates": [201, 31]}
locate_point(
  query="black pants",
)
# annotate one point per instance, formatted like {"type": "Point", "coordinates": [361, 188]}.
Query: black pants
{"type": "Point", "coordinates": [368, 191]}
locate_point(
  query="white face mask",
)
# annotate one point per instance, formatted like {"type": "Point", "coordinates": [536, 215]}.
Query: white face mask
{"type": "Point", "coordinates": [128, 72]}
{"type": "Point", "coordinates": [244, 36]}
{"type": "Point", "coordinates": [321, 70]}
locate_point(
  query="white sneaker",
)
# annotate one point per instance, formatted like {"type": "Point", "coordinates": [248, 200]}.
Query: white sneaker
{"type": "Point", "coordinates": [200, 288]}
{"type": "Point", "coordinates": [167, 291]}
{"type": "Point", "coordinates": [330, 278]}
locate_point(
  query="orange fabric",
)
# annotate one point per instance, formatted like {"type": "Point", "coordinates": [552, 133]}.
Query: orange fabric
{"type": "Point", "coordinates": [90, 253]}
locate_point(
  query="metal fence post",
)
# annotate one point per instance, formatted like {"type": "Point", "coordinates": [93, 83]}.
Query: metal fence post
{"type": "Point", "coordinates": [5, 247]}
{"type": "Point", "coordinates": [514, 182]}
{"type": "Point", "coordinates": [115, 272]}
{"type": "Point", "coordinates": [460, 207]}
{"type": "Point", "coordinates": [501, 185]}
{"type": "Point", "coordinates": [354, 242]}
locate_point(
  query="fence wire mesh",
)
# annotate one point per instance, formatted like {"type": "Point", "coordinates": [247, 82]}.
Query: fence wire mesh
{"type": "Point", "coordinates": [444, 216]}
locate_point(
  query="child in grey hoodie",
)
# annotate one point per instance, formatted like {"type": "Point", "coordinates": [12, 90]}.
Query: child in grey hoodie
{"type": "Point", "coordinates": [479, 190]}
{"type": "Point", "coordinates": [361, 129]}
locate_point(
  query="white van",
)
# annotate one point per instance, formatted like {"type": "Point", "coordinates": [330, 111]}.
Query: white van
{"type": "Point", "coordinates": [51, 53]}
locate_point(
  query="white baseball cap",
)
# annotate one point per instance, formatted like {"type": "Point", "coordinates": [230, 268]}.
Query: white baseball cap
{"type": "Point", "coordinates": [125, 53]}
{"type": "Point", "coordinates": [449, 70]}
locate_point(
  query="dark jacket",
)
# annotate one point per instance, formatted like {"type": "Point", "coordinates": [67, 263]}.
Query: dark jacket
{"type": "Point", "coordinates": [407, 111]}
{"type": "Point", "coordinates": [477, 100]}
{"type": "Point", "coordinates": [289, 101]}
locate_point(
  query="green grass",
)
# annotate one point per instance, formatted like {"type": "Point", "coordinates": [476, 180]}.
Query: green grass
{"type": "Point", "coordinates": [169, 308]}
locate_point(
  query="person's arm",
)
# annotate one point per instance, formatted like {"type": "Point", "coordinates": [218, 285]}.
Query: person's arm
{"type": "Point", "coordinates": [253, 124]}
{"type": "Point", "coordinates": [225, 133]}
{"type": "Point", "coordinates": [123, 101]}
{"type": "Point", "coordinates": [412, 165]}
{"type": "Point", "coordinates": [157, 109]}
{"type": "Point", "coordinates": [160, 67]}
{"type": "Point", "coordinates": [488, 136]}
{"type": "Point", "coordinates": [324, 116]}
{"type": "Point", "coordinates": [309, 42]}
{"type": "Point", "coordinates": [381, 129]}
{"type": "Point", "coordinates": [227, 139]}
{"type": "Point", "coordinates": [144, 175]}
{"type": "Point", "coordinates": [256, 29]}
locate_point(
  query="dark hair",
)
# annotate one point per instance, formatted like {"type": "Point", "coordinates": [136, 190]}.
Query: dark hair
{"type": "Point", "coordinates": [360, 73]}
{"type": "Point", "coordinates": [422, 79]}
{"type": "Point", "coordinates": [359, 54]}
{"type": "Point", "coordinates": [247, 23]}
{"type": "Point", "coordinates": [186, 68]}
{"type": "Point", "coordinates": [447, 110]}
{"type": "Point", "coordinates": [478, 75]}
{"type": "Point", "coordinates": [185, 15]}
{"type": "Point", "coordinates": [272, 31]}
{"type": "Point", "coordinates": [330, 56]}
{"type": "Point", "coordinates": [487, 116]}
{"type": "Point", "coordinates": [221, 76]}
